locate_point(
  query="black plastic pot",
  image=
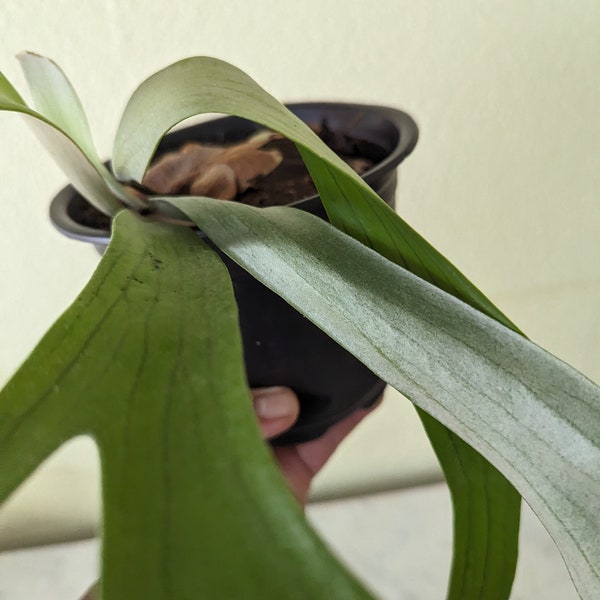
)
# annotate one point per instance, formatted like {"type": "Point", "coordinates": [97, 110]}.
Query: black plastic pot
{"type": "Point", "coordinates": [281, 346]}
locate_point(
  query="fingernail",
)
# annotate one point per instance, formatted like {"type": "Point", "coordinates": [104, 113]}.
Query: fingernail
{"type": "Point", "coordinates": [274, 403]}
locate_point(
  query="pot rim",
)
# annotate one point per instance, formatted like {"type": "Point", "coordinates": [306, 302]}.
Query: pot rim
{"type": "Point", "coordinates": [404, 125]}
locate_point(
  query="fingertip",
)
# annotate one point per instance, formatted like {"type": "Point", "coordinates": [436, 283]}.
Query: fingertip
{"type": "Point", "coordinates": [277, 409]}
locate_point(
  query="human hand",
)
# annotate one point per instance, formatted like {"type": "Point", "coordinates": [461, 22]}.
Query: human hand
{"type": "Point", "coordinates": [277, 409]}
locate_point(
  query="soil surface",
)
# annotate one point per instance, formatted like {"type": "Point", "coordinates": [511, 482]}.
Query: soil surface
{"type": "Point", "coordinates": [290, 182]}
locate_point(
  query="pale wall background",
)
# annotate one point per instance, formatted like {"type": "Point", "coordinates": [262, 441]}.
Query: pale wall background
{"type": "Point", "coordinates": [505, 179]}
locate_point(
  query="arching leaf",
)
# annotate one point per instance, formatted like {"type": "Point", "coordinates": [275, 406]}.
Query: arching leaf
{"type": "Point", "coordinates": [148, 361]}
{"type": "Point", "coordinates": [531, 415]}
{"type": "Point", "coordinates": [202, 84]}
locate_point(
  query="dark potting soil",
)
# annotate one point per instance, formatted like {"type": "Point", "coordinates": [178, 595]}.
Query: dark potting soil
{"type": "Point", "coordinates": [287, 184]}
{"type": "Point", "coordinates": [291, 182]}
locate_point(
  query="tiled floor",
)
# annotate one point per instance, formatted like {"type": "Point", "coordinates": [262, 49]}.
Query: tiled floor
{"type": "Point", "coordinates": [397, 542]}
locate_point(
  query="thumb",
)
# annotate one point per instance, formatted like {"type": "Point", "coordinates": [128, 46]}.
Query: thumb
{"type": "Point", "coordinates": [277, 409]}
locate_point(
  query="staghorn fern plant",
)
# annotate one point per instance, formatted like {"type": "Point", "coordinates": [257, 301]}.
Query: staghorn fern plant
{"type": "Point", "coordinates": [193, 505]}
